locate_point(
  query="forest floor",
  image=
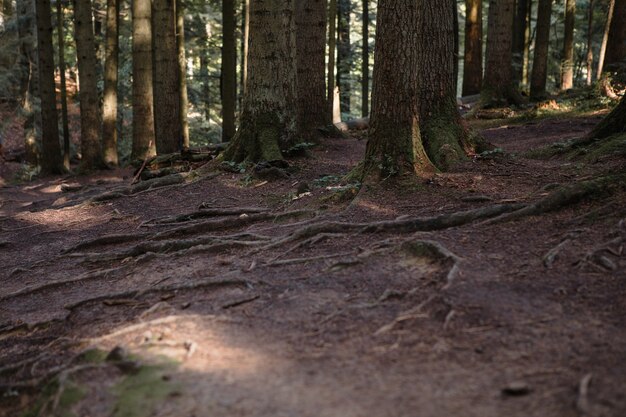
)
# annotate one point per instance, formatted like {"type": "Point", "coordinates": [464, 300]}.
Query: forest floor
{"type": "Point", "coordinates": [291, 298]}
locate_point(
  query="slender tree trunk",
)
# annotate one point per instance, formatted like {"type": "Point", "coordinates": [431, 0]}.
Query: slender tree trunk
{"type": "Point", "coordinates": [519, 39]}
{"type": "Point", "coordinates": [64, 117]}
{"type": "Point", "coordinates": [246, 39]}
{"type": "Point", "coordinates": [457, 46]}
{"type": "Point", "coordinates": [182, 72]}
{"type": "Point", "coordinates": [51, 161]}
{"type": "Point", "coordinates": [527, 42]}
{"type": "Point", "coordinates": [91, 146]}
{"type": "Point", "coordinates": [567, 65]}
{"type": "Point", "coordinates": [143, 117]}
{"type": "Point", "coordinates": [206, 90]}
{"type": "Point", "coordinates": [616, 44]}
{"type": "Point", "coordinates": [229, 71]}
{"type": "Point", "coordinates": [109, 120]}
{"type": "Point", "coordinates": [344, 54]}
{"type": "Point", "coordinates": [473, 64]}
{"type": "Point", "coordinates": [540, 61]}
{"type": "Point", "coordinates": [332, 50]}
{"type": "Point", "coordinates": [311, 46]}
{"type": "Point", "coordinates": [590, 44]}
{"type": "Point", "coordinates": [395, 145]}
{"type": "Point", "coordinates": [498, 87]}
{"type": "Point", "coordinates": [365, 68]}
{"type": "Point", "coordinates": [167, 123]}
{"type": "Point", "coordinates": [268, 121]}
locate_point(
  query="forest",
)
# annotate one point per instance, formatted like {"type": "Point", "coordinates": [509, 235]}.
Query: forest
{"type": "Point", "coordinates": [312, 208]}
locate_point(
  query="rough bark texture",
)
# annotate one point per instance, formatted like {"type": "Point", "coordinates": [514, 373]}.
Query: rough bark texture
{"type": "Point", "coordinates": [395, 145]}
{"type": "Point", "coordinates": [567, 64]}
{"type": "Point", "coordinates": [614, 123]}
{"type": "Point", "coordinates": [109, 111]}
{"type": "Point", "coordinates": [51, 161]}
{"type": "Point", "coordinates": [473, 63]}
{"type": "Point", "coordinates": [440, 120]}
{"type": "Point", "coordinates": [229, 71]}
{"type": "Point", "coordinates": [615, 58]}
{"type": "Point", "coordinates": [344, 54]}
{"type": "Point", "coordinates": [143, 116]}
{"type": "Point", "coordinates": [519, 39]}
{"type": "Point", "coordinates": [90, 145]}
{"type": "Point", "coordinates": [332, 50]}
{"type": "Point", "coordinates": [268, 120]}
{"type": "Point", "coordinates": [498, 88]}
{"type": "Point", "coordinates": [167, 124]}
{"type": "Point", "coordinates": [590, 43]}
{"type": "Point", "coordinates": [540, 63]}
{"type": "Point", "coordinates": [605, 38]}
{"type": "Point", "coordinates": [313, 112]}
{"type": "Point", "coordinates": [246, 39]}
{"type": "Point", "coordinates": [182, 72]}
{"type": "Point", "coordinates": [64, 116]}
{"type": "Point", "coordinates": [365, 65]}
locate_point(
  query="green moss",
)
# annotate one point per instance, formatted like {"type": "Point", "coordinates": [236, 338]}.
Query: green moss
{"type": "Point", "coordinates": [611, 146]}
{"type": "Point", "coordinates": [442, 139]}
{"type": "Point", "coordinates": [139, 395]}
{"type": "Point", "coordinates": [71, 395]}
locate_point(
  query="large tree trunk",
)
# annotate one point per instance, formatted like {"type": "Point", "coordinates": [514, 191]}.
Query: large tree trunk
{"type": "Point", "coordinates": [365, 64]}
{"type": "Point", "coordinates": [605, 38]}
{"type": "Point", "coordinates": [344, 54]}
{"type": "Point", "coordinates": [109, 122]}
{"type": "Point", "coordinates": [268, 120]}
{"type": "Point", "coordinates": [143, 117]}
{"type": "Point", "coordinates": [395, 145]}
{"type": "Point", "coordinates": [244, 48]}
{"type": "Point", "coordinates": [229, 71]}
{"type": "Point", "coordinates": [182, 73]}
{"type": "Point", "coordinates": [498, 87]}
{"type": "Point", "coordinates": [331, 82]}
{"type": "Point", "coordinates": [167, 123]}
{"type": "Point", "coordinates": [313, 112]}
{"type": "Point", "coordinates": [64, 116]}
{"type": "Point", "coordinates": [440, 120]}
{"type": "Point", "coordinates": [615, 58]}
{"type": "Point", "coordinates": [519, 39]}
{"type": "Point", "coordinates": [567, 64]}
{"type": "Point", "coordinates": [51, 162]}
{"type": "Point", "coordinates": [540, 63]}
{"type": "Point", "coordinates": [90, 144]}
{"type": "Point", "coordinates": [473, 63]}
{"type": "Point", "coordinates": [590, 43]}
{"type": "Point", "coordinates": [614, 123]}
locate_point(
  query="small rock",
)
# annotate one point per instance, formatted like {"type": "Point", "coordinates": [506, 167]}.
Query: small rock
{"type": "Point", "coordinates": [516, 389]}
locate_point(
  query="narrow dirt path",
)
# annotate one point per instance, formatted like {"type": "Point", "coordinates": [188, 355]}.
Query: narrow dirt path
{"type": "Point", "coordinates": [287, 308]}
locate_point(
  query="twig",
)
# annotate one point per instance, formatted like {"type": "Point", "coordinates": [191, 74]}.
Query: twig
{"type": "Point", "coordinates": [143, 166]}
{"type": "Point", "coordinates": [582, 403]}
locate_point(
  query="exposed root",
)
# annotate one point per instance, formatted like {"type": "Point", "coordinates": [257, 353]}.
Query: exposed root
{"type": "Point", "coordinates": [106, 240]}
{"type": "Point", "coordinates": [550, 257]}
{"type": "Point", "coordinates": [211, 212]}
{"type": "Point", "coordinates": [306, 260]}
{"type": "Point", "coordinates": [152, 184]}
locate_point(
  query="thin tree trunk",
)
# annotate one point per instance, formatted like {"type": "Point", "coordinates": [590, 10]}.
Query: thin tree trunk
{"type": "Point", "coordinates": [540, 61]}
{"type": "Point", "coordinates": [519, 39]}
{"type": "Point", "coordinates": [109, 122]}
{"type": "Point", "coordinates": [91, 146]}
{"type": "Point", "coordinates": [332, 49]}
{"type": "Point", "coordinates": [605, 38]}
{"type": "Point", "coordinates": [143, 117]}
{"type": "Point", "coordinates": [365, 66]}
{"type": "Point", "coordinates": [64, 117]}
{"type": "Point", "coordinates": [229, 71]}
{"type": "Point", "coordinates": [246, 39]}
{"type": "Point", "coordinates": [528, 38]}
{"type": "Point", "coordinates": [182, 72]}
{"type": "Point", "coordinates": [167, 123]}
{"type": "Point", "coordinates": [344, 54]}
{"type": "Point", "coordinates": [590, 44]}
{"type": "Point", "coordinates": [616, 44]}
{"type": "Point", "coordinates": [51, 161]}
{"type": "Point", "coordinates": [473, 63]}
{"type": "Point", "coordinates": [567, 65]}
{"type": "Point", "coordinates": [268, 120]}
{"type": "Point", "coordinates": [311, 46]}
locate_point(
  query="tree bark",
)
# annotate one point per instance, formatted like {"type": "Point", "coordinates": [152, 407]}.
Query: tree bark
{"type": "Point", "coordinates": [109, 122]}
{"type": "Point", "coordinates": [395, 145]}
{"type": "Point", "coordinates": [365, 65]}
{"type": "Point", "coordinates": [313, 112]}
{"type": "Point", "coordinates": [527, 41]}
{"type": "Point", "coordinates": [615, 58]}
{"type": "Point", "coordinates": [540, 62]}
{"type": "Point", "coordinates": [269, 116]}
{"type": "Point", "coordinates": [182, 73]}
{"type": "Point", "coordinates": [51, 162]}
{"type": "Point", "coordinates": [590, 44]}
{"type": "Point", "coordinates": [498, 87]}
{"type": "Point", "coordinates": [344, 54]}
{"type": "Point", "coordinates": [332, 51]}
{"type": "Point", "coordinates": [605, 38]}
{"type": "Point", "coordinates": [246, 39]}
{"type": "Point", "coordinates": [229, 71]}
{"type": "Point", "coordinates": [143, 116]}
{"type": "Point", "coordinates": [167, 123]}
{"type": "Point", "coordinates": [567, 64]}
{"type": "Point", "coordinates": [519, 39]}
{"type": "Point", "coordinates": [90, 144]}
{"type": "Point", "coordinates": [473, 63]}
{"type": "Point", "coordinates": [614, 123]}
{"type": "Point", "coordinates": [64, 117]}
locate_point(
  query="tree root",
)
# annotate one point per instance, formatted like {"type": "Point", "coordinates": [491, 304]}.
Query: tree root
{"type": "Point", "coordinates": [152, 184]}
{"type": "Point", "coordinates": [211, 212]}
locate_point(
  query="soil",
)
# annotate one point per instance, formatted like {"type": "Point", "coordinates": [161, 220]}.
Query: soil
{"type": "Point", "coordinates": [483, 319]}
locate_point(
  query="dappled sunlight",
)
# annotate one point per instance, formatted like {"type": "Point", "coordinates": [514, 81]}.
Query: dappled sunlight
{"type": "Point", "coordinates": [373, 207]}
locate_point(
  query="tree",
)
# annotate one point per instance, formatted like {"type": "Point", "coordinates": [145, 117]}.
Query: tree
{"type": "Point", "coordinates": [613, 124]}
{"type": "Point", "coordinates": [590, 43]}
{"type": "Point", "coordinates": [331, 83]}
{"type": "Point", "coordinates": [143, 116]}
{"type": "Point", "coordinates": [313, 112]}
{"type": "Point", "coordinates": [229, 71]}
{"type": "Point", "coordinates": [109, 119]}
{"type": "Point", "coordinates": [498, 87]}
{"type": "Point", "coordinates": [365, 65]}
{"type": "Point", "coordinates": [167, 123]}
{"type": "Point", "coordinates": [64, 115]}
{"type": "Point", "coordinates": [269, 114]}
{"type": "Point", "coordinates": [616, 45]}
{"type": "Point", "coordinates": [567, 64]}
{"type": "Point", "coordinates": [182, 73]}
{"type": "Point", "coordinates": [540, 63]}
{"type": "Point", "coordinates": [90, 145]}
{"type": "Point", "coordinates": [519, 39]}
{"type": "Point", "coordinates": [344, 54]}
{"type": "Point", "coordinates": [51, 161]}
{"type": "Point", "coordinates": [605, 38]}
{"type": "Point", "coordinates": [473, 62]}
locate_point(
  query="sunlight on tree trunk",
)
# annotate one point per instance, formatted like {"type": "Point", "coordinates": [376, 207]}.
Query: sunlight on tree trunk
{"type": "Point", "coordinates": [109, 123]}
{"type": "Point", "coordinates": [567, 65]}
{"type": "Point", "coordinates": [182, 73]}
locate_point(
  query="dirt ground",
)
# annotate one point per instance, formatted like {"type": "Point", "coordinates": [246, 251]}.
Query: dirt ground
{"type": "Point", "coordinates": [264, 306]}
